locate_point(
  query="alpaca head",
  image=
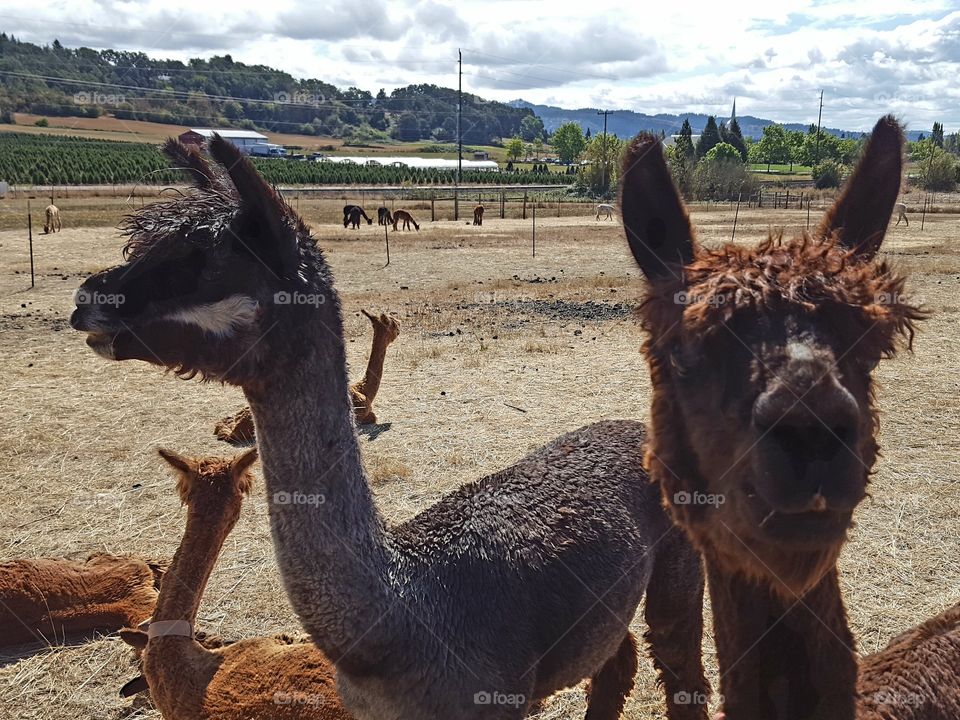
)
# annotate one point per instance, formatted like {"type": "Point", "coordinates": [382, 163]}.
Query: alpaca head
{"type": "Point", "coordinates": [763, 418]}
{"type": "Point", "coordinates": [212, 482]}
{"type": "Point", "coordinates": [385, 326]}
{"type": "Point", "coordinates": [208, 275]}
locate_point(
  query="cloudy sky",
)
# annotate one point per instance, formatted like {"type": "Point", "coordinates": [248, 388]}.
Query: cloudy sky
{"type": "Point", "coordinates": [869, 57]}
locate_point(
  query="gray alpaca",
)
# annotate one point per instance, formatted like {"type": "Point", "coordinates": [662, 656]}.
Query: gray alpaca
{"type": "Point", "coordinates": [504, 592]}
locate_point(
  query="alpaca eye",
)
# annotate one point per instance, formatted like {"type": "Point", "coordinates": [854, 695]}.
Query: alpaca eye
{"type": "Point", "coordinates": [678, 362]}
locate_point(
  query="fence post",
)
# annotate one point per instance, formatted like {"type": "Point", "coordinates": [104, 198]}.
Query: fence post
{"type": "Point", "coordinates": [433, 215]}
{"type": "Point", "coordinates": [503, 203]}
{"type": "Point", "coordinates": [760, 198]}
{"type": "Point", "coordinates": [786, 201]}
{"type": "Point", "coordinates": [923, 217]}
{"type": "Point", "coordinates": [559, 201]}
{"type": "Point", "coordinates": [30, 236]}
{"type": "Point", "coordinates": [524, 204]}
{"type": "Point", "coordinates": [735, 216]}
{"type": "Point", "coordinates": [534, 226]}
{"type": "Point", "coordinates": [456, 203]}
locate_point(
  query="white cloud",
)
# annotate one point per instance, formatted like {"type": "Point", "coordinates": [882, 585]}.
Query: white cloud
{"type": "Point", "coordinates": [870, 58]}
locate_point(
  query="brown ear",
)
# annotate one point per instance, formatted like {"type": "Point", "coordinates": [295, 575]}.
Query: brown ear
{"type": "Point", "coordinates": [190, 161]}
{"type": "Point", "coordinates": [178, 462]}
{"type": "Point", "coordinates": [861, 214]}
{"type": "Point", "coordinates": [654, 218]}
{"type": "Point", "coordinates": [243, 461]}
{"type": "Point", "coordinates": [276, 242]}
{"type": "Point", "coordinates": [136, 639]}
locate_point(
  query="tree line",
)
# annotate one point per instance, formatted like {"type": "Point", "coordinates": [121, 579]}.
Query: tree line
{"type": "Point", "coordinates": [221, 92]}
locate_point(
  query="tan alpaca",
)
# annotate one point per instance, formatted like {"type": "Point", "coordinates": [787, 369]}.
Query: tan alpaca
{"type": "Point", "coordinates": [404, 217]}
{"type": "Point", "coordinates": [47, 600]}
{"type": "Point", "coordinates": [901, 210]}
{"type": "Point", "coordinates": [51, 223]}
{"type": "Point", "coordinates": [239, 429]}
{"type": "Point", "coordinates": [264, 678]}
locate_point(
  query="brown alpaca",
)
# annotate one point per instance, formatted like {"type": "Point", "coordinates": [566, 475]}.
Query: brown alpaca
{"type": "Point", "coordinates": [505, 591]}
{"type": "Point", "coordinates": [916, 676]}
{"type": "Point", "coordinates": [763, 428]}
{"type": "Point", "coordinates": [267, 677]}
{"type": "Point", "coordinates": [47, 600]}
{"type": "Point", "coordinates": [478, 215]}
{"type": "Point", "coordinates": [405, 217]}
{"type": "Point", "coordinates": [238, 428]}
{"type": "Point", "coordinates": [51, 223]}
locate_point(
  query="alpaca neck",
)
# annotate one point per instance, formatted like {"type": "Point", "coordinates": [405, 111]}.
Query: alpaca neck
{"type": "Point", "coordinates": [370, 383]}
{"type": "Point", "coordinates": [782, 659]}
{"type": "Point", "coordinates": [328, 536]}
{"type": "Point", "coordinates": [186, 578]}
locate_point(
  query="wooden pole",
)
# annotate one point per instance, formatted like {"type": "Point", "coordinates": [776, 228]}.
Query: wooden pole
{"type": "Point", "coordinates": [923, 217]}
{"type": "Point", "coordinates": [503, 205]}
{"type": "Point", "coordinates": [559, 201]}
{"type": "Point", "coordinates": [808, 213]}
{"type": "Point", "coordinates": [524, 204]}
{"type": "Point", "coordinates": [736, 214]}
{"type": "Point", "coordinates": [534, 227]}
{"type": "Point", "coordinates": [386, 239]}
{"type": "Point", "coordinates": [433, 214]}
{"type": "Point", "coordinates": [30, 236]}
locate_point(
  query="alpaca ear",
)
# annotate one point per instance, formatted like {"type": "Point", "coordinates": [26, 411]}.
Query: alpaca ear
{"type": "Point", "coordinates": [654, 218]}
{"type": "Point", "coordinates": [134, 687]}
{"type": "Point", "coordinates": [274, 238]}
{"type": "Point", "coordinates": [860, 216]}
{"type": "Point", "coordinates": [137, 639]}
{"type": "Point", "coordinates": [178, 462]}
{"type": "Point", "coordinates": [243, 461]}
{"type": "Point", "coordinates": [190, 161]}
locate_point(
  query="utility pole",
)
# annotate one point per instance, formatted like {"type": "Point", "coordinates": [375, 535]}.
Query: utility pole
{"type": "Point", "coordinates": [816, 153]}
{"type": "Point", "coordinates": [603, 181]}
{"type": "Point", "coordinates": [456, 194]}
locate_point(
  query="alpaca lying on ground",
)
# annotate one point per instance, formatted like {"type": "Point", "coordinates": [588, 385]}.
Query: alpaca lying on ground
{"type": "Point", "coordinates": [46, 600]}
{"type": "Point", "coordinates": [764, 424]}
{"type": "Point", "coordinates": [238, 428]}
{"type": "Point", "coordinates": [517, 585]}
{"type": "Point", "coordinates": [51, 222]}
{"type": "Point", "coordinates": [266, 678]}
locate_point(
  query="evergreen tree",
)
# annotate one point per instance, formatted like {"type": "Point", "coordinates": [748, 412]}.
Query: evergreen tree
{"type": "Point", "coordinates": [587, 136]}
{"type": "Point", "coordinates": [732, 135]}
{"type": "Point", "coordinates": [685, 142]}
{"type": "Point", "coordinates": [937, 135]}
{"type": "Point", "coordinates": [709, 138]}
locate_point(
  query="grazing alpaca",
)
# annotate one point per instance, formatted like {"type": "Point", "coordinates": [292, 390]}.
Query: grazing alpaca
{"type": "Point", "coordinates": [763, 427]}
{"type": "Point", "coordinates": [238, 428]}
{"type": "Point", "coordinates": [605, 210]}
{"type": "Point", "coordinates": [407, 218]}
{"type": "Point", "coordinates": [51, 223]}
{"type": "Point", "coordinates": [901, 210]}
{"type": "Point", "coordinates": [352, 215]}
{"type": "Point", "coordinates": [384, 217]}
{"type": "Point", "coordinates": [47, 600]}
{"type": "Point", "coordinates": [478, 215]}
{"type": "Point", "coordinates": [265, 677]}
{"type": "Point", "coordinates": [506, 591]}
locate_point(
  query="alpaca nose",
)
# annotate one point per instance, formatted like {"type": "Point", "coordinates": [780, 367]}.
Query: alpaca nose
{"type": "Point", "coordinates": [808, 445]}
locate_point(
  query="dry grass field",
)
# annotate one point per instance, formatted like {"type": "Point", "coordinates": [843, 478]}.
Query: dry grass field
{"type": "Point", "coordinates": [499, 352]}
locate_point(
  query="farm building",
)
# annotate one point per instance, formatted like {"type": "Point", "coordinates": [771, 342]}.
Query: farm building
{"type": "Point", "coordinates": [243, 139]}
{"type": "Point", "coordinates": [414, 162]}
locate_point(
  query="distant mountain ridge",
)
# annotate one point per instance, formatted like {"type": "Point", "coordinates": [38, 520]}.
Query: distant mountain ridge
{"type": "Point", "coordinates": [627, 123]}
